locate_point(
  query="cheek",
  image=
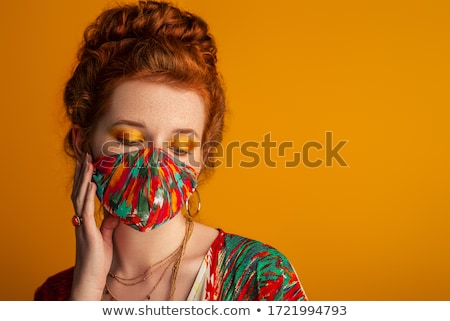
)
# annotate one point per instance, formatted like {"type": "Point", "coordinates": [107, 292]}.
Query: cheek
{"type": "Point", "coordinates": [95, 148]}
{"type": "Point", "coordinates": [101, 145]}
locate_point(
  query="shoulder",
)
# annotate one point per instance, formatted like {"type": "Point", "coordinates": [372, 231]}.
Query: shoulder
{"type": "Point", "coordinates": [247, 251]}
{"type": "Point", "coordinates": [255, 270]}
{"type": "Point", "coordinates": [56, 287]}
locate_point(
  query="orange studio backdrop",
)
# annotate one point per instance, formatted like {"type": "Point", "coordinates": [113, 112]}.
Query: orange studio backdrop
{"type": "Point", "coordinates": [336, 149]}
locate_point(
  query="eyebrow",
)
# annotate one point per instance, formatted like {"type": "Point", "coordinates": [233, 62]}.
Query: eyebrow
{"type": "Point", "coordinates": [141, 125]}
{"type": "Point", "coordinates": [129, 122]}
{"type": "Point", "coordinates": [185, 131]}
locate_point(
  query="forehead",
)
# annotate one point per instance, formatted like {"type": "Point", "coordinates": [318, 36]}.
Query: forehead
{"type": "Point", "coordinates": [159, 107]}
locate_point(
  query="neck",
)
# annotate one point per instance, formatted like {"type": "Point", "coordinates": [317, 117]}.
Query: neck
{"type": "Point", "coordinates": [135, 251]}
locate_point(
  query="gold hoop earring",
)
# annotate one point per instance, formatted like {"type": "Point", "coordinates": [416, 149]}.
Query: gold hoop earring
{"type": "Point", "coordinates": [188, 208]}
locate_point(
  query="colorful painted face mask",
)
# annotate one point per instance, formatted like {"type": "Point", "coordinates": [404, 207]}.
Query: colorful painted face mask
{"type": "Point", "coordinates": [144, 188]}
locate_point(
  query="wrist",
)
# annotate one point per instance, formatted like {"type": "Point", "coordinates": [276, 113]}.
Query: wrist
{"type": "Point", "coordinates": [84, 293]}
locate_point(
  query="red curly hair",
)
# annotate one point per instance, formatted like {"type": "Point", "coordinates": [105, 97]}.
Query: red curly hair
{"type": "Point", "coordinates": [150, 40]}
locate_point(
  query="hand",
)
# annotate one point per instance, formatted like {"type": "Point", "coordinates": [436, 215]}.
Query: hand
{"type": "Point", "coordinates": [94, 247]}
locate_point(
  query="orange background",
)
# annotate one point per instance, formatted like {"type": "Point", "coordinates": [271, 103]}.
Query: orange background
{"type": "Point", "coordinates": [375, 73]}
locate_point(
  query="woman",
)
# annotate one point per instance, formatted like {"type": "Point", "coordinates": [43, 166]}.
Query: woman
{"type": "Point", "coordinates": [147, 106]}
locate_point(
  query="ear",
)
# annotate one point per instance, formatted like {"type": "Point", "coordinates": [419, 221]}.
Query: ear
{"type": "Point", "coordinates": [79, 142]}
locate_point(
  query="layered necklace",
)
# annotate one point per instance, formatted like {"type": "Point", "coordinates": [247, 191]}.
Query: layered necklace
{"type": "Point", "coordinates": [175, 257]}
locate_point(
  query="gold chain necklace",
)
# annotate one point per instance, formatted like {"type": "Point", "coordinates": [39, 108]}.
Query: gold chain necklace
{"type": "Point", "coordinates": [148, 296]}
{"type": "Point", "coordinates": [148, 272]}
{"type": "Point", "coordinates": [176, 267]}
{"type": "Point", "coordinates": [180, 251]}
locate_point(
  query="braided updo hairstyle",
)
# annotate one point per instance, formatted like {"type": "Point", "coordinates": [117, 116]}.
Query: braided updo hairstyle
{"type": "Point", "coordinates": [150, 40]}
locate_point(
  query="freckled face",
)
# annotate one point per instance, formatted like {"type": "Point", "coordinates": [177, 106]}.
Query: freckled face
{"type": "Point", "coordinates": [144, 114]}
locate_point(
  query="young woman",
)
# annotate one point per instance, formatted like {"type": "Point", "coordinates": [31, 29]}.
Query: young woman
{"type": "Point", "coordinates": [147, 107]}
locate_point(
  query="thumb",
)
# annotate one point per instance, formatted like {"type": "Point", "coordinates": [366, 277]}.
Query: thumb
{"type": "Point", "coordinates": [108, 226]}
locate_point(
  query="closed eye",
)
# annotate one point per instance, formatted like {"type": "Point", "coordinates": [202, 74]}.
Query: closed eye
{"type": "Point", "coordinates": [128, 136]}
{"type": "Point", "coordinates": [127, 142]}
{"type": "Point", "coordinates": [183, 146]}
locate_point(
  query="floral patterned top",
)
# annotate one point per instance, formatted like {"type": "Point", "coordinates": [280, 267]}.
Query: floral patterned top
{"type": "Point", "coordinates": [234, 269]}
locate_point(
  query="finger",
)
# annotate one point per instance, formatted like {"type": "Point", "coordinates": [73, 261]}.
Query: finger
{"type": "Point", "coordinates": [82, 165]}
{"type": "Point", "coordinates": [76, 179]}
{"type": "Point", "coordinates": [108, 226]}
{"type": "Point", "coordinates": [88, 206]}
{"type": "Point", "coordinates": [85, 180]}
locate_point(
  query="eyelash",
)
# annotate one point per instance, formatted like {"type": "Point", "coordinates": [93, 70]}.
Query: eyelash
{"type": "Point", "coordinates": [129, 142]}
{"type": "Point", "coordinates": [176, 150]}
{"type": "Point", "coordinates": [183, 147]}
{"type": "Point", "coordinates": [180, 152]}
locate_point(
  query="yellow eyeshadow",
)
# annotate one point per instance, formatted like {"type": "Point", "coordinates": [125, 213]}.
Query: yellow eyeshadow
{"type": "Point", "coordinates": [184, 142]}
{"type": "Point", "coordinates": [128, 134]}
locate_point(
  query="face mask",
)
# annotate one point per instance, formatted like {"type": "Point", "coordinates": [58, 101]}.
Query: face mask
{"type": "Point", "coordinates": [144, 188]}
